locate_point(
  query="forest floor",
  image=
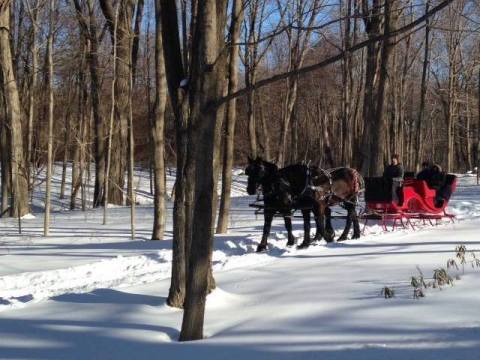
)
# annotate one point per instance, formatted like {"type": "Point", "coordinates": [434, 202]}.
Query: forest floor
{"type": "Point", "coordinates": [90, 291]}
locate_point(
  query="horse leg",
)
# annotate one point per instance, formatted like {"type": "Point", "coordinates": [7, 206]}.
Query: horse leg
{"type": "Point", "coordinates": [306, 230]}
{"type": "Point", "coordinates": [356, 225]}
{"type": "Point", "coordinates": [329, 233]}
{"type": "Point", "coordinates": [348, 223]}
{"type": "Point", "coordinates": [288, 226]}
{"type": "Point", "coordinates": [266, 231]}
{"type": "Point", "coordinates": [319, 222]}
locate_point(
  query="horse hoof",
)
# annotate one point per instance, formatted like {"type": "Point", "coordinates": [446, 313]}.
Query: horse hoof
{"type": "Point", "coordinates": [342, 238]}
{"type": "Point", "coordinates": [261, 248]}
{"type": "Point", "coordinates": [356, 236]}
{"type": "Point", "coordinates": [303, 246]}
{"type": "Point", "coordinates": [291, 242]}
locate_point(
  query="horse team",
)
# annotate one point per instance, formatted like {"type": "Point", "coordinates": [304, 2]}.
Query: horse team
{"type": "Point", "coordinates": [308, 189]}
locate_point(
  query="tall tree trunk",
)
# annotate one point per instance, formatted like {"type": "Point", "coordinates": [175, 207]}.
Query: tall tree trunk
{"type": "Point", "coordinates": [131, 162]}
{"type": "Point", "coordinates": [123, 61]}
{"type": "Point", "coordinates": [423, 89]}
{"type": "Point", "coordinates": [478, 121]}
{"type": "Point", "coordinates": [208, 89]}
{"type": "Point", "coordinates": [66, 153]}
{"type": "Point", "coordinates": [99, 137]}
{"type": "Point", "coordinates": [265, 132]}
{"type": "Point", "coordinates": [19, 176]}
{"type": "Point", "coordinates": [225, 201]}
{"type": "Point", "coordinates": [292, 85]}
{"type": "Point", "coordinates": [252, 127]}
{"type": "Point", "coordinates": [46, 224]}
{"type": "Point", "coordinates": [347, 129]}
{"type": "Point", "coordinates": [375, 82]}
{"type": "Point", "coordinates": [379, 125]}
{"type": "Point", "coordinates": [178, 90]}
{"type": "Point", "coordinates": [158, 132]}
{"type": "Point", "coordinates": [5, 156]}
{"type": "Point", "coordinates": [33, 12]}
{"type": "Point", "coordinates": [107, 186]}
{"type": "Point", "coordinates": [78, 128]}
{"type": "Point", "coordinates": [135, 45]}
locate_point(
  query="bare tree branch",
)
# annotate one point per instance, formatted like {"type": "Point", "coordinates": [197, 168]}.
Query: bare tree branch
{"type": "Point", "coordinates": [335, 58]}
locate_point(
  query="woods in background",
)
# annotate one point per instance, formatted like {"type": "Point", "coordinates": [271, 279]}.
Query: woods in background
{"type": "Point", "coordinates": [199, 85]}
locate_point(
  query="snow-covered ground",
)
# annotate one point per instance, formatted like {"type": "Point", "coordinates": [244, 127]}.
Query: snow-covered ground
{"type": "Point", "coordinates": [89, 291]}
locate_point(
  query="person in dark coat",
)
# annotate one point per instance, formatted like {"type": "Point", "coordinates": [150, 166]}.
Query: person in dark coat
{"type": "Point", "coordinates": [426, 172]}
{"type": "Point", "coordinates": [437, 180]}
{"type": "Point", "coordinates": [395, 169]}
{"type": "Point", "coordinates": [394, 174]}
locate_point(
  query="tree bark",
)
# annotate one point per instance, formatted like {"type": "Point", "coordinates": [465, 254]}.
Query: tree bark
{"type": "Point", "coordinates": [33, 13]}
{"type": "Point", "coordinates": [158, 131]}
{"type": "Point", "coordinates": [123, 61]}
{"type": "Point", "coordinates": [19, 175]}
{"type": "Point", "coordinates": [178, 87]}
{"type": "Point", "coordinates": [225, 201]}
{"type": "Point", "coordinates": [46, 223]}
{"type": "Point", "coordinates": [423, 89]}
{"type": "Point", "coordinates": [99, 137]}
{"type": "Point", "coordinates": [5, 209]}
{"type": "Point", "coordinates": [208, 89]}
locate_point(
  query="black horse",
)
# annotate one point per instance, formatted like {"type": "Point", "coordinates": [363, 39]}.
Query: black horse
{"type": "Point", "coordinates": [305, 188]}
{"type": "Point", "coordinates": [284, 191]}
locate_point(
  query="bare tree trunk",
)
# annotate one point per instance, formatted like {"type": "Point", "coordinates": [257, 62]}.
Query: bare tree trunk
{"type": "Point", "coordinates": [451, 102]}
{"type": "Point", "coordinates": [33, 14]}
{"type": "Point", "coordinates": [208, 88]}
{"type": "Point", "coordinates": [158, 131]}
{"type": "Point", "coordinates": [135, 45]}
{"type": "Point", "coordinates": [19, 175]}
{"type": "Point", "coordinates": [5, 156]}
{"type": "Point", "coordinates": [79, 128]}
{"type": "Point", "coordinates": [66, 153]}
{"type": "Point", "coordinates": [225, 201]}
{"type": "Point", "coordinates": [99, 137]}
{"type": "Point", "coordinates": [46, 224]}
{"type": "Point", "coordinates": [252, 133]}
{"type": "Point", "coordinates": [112, 116]}
{"type": "Point", "coordinates": [468, 140]}
{"type": "Point", "coordinates": [131, 162]}
{"type": "Point", "coordinates": [375, 83]}
{"type": "Point", "coordinates": [478, 123]}
{"type": "Point", "coordinates": [287, 116]}
{"type": "Point", "coordinates": [178, 90]}
{"type": "Point", "coordinates": [423, 89]}
{"type": "Point", "coordinates": [123, 64]}
{"type": "Point", "coordinates": [265, 132]}
{"type": "Point", "coordinates": [347, 89]}
{"type": "Point", "coordinates": [379, 128]}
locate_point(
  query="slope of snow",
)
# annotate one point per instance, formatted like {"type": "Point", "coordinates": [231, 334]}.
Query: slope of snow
{"type": "Point", "coordinates": [89, 291]}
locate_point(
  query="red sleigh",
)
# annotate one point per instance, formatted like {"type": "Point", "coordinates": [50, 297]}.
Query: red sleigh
{"type": "Point", "coordinates": [405, 203]}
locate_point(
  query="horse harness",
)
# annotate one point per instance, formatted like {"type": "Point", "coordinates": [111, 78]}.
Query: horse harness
{"type": "Point", "coordinates": [282, 186]}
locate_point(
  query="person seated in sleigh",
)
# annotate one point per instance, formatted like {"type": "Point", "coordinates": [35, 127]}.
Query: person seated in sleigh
{"type": "Point", "coordinates": [436, 179]}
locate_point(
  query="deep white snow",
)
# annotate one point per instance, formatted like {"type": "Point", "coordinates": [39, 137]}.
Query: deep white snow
{"type": "Point", "coordinates": [90, 292]}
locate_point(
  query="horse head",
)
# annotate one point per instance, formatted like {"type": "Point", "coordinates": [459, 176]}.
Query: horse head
{"type": "Point", "coordinates": [258, 171]}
